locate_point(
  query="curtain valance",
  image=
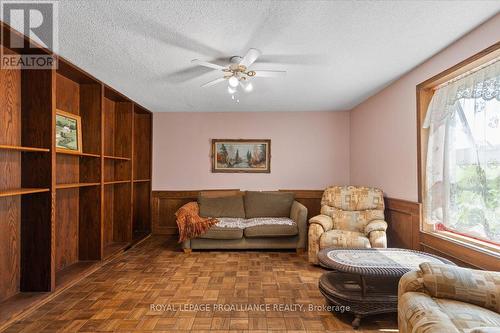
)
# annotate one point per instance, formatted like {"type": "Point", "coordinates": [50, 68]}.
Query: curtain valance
{"type": "Point", "coordinates": [481, 84]}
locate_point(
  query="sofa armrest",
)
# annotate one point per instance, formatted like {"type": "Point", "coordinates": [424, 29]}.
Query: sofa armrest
{"type": "Point", "coordinates": [467, 285]}
{"type": "Point", "coordinates": [411, 282]}
{"type": "Point", "coordinates": [325, 221]}
{"type": "Point", "coordinates": [375, 225]}
{"type": "Point", "coordinates": [298, 213]}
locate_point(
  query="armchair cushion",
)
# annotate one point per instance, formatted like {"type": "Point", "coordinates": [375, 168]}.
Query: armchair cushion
{"type": "Point", "coordinates": [462, 284]}
{"type": "Point", "coordinates": [324, 221]}
{"type": "Point", "coordinates": [351, 220]}
{"type": "Point", "coordinates": [375, 225]}
{"type": "Point", "coordinates": [344, 239]}
{"type": "Point", "coordinates": [353, 198]}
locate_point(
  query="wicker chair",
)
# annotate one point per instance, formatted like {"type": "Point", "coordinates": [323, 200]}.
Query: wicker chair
{"type": "Point", "coordinates": [351, 217]}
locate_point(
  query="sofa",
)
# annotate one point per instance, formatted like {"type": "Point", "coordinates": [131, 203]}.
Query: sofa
{"type": "Point", "coordinates": [443, 298]}
{"type": "Point", "coordinates": [351, 217]}
{"type": "Point", "coordinates": [251, 220]}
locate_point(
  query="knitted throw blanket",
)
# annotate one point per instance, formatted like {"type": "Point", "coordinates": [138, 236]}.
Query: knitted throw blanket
{"type": "Point", "coordinates": [190, 223]}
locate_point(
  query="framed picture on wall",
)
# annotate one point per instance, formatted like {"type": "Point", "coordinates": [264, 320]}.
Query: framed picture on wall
{"type": "Point", "coordinates": [68, 132]}
{"type": "Point", "coordinates": [241, 155]}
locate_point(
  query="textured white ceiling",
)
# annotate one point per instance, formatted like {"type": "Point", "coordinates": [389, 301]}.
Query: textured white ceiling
{"type": "Point", "coordinates": [337, 53]}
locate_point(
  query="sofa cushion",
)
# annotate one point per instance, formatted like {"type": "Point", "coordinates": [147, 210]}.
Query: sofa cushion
{"type": "Point", "coordinates": [270, 227]}
{"type": "Point", "coordinates": [268, 204]}
{"type": "Point", "coordinates": [226, 206]}
{"type": "Point", "coordinates": [222, 233]}
{"type": "Point", "coordinates": [421, 313]}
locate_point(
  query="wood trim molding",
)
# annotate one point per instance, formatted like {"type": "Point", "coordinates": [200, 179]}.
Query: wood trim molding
{"type": "Point", "coordinates": [482, 57]}
{"type": "Point", "coordinates": [425, 91]}
{"type": "Point", "coordinates": [460, 254]}
{"type": "Point", "coordinates": [453, 250]}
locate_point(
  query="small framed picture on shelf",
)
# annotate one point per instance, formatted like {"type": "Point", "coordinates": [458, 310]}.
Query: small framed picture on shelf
{"type": "Point", "coordinates": [68, 132]}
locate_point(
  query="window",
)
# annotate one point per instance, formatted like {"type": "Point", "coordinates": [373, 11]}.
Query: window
{"type": "Point", "coordinates": [462, 167]}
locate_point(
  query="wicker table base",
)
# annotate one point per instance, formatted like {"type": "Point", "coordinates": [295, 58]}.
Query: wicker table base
{"type": "Point", "coordinates": [344, 289]}
{"type": "Point", "coordinates": [366, 280]}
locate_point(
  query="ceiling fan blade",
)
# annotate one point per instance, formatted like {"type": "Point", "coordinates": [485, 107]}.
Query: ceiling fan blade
{"type": "Point", "coordinates": [250, 57]}
{"type": "Point", "coordinates": [207, 64]}
{"type": "Point", "coordinates": [270, 73]}
{"type": "Point", "coordinates": [213, 82]}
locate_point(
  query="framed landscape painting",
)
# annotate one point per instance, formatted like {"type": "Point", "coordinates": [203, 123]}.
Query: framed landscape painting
{"type": "Point", "coordinates": [68, 132]}
{"type": "Point", "coordinates": [231, 155]}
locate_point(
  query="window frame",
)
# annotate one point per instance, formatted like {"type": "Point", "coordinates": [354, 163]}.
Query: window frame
{"type": "Point", "coordinates": [425, 91]}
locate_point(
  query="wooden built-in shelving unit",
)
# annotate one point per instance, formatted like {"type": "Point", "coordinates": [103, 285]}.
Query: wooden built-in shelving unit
{"type": "Point", "coordinates": [141, 171]}
{"type": "Point", "coordinates": [61, 212]}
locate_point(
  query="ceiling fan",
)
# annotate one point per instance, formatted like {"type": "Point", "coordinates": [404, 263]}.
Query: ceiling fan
{"type": "Point", "coordinates": [238, 73]}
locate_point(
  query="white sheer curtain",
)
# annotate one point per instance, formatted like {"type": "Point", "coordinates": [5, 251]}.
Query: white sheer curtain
{"type": "Point", "coordinates": [462, 188]}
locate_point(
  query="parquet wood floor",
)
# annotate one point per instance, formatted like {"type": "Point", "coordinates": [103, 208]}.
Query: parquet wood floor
{"type": "Point", "coordinates": [118, 296]}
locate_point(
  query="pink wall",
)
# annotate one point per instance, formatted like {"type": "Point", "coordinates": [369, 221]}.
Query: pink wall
{"type": "Point", "coordinates": [310, 150]}
{"type": "Point", "coordinates": [383, 128]}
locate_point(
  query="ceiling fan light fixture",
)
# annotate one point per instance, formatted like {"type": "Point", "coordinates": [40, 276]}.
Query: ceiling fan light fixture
{"type": "Point", "coordinates": [238, 72]}
{"type": "Point", "coordinates": [248, 87]}
{"type": "Point", "coordinates": [233, 81]}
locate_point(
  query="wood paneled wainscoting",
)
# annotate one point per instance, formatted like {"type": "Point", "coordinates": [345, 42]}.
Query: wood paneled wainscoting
{"type": "Point", "coordinates": [403, 216]}
{"type": "Point", "coordinates": [166, 203]}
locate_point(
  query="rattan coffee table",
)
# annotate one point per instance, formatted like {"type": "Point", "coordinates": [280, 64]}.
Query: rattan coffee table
{"type": "Point", "coordinates": [366, 280]}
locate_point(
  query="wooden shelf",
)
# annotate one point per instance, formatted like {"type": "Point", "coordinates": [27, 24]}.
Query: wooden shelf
{"type": "Point", "coordinates": [74, 185]}
{"type": "Point", "coordinates": [21, 191]}
{"type": "Point", "coordinates": [68, 152]}
{"type": "Point", "coordinates": [141, 180]}
{"type": "Point", "coordinates": [66, 242]}
{"type": "Point", "coordinates": [116, 182]}
{"type": "Point", "coordinates": [25, 149]}
{"type": "Point", "coordinates": [117, 158]}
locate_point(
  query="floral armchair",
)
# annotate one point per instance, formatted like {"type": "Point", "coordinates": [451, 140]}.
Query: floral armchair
{"type": "Point", "coordinates": [351, 217]}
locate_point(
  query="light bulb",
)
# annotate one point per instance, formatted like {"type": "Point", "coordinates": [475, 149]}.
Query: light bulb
{"type": "Point", "coordinates": [231, 90]}
{"type": "Point", "coordinates": [248, 87]}
{"type": "Point", "coordinates": [233, 81]}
